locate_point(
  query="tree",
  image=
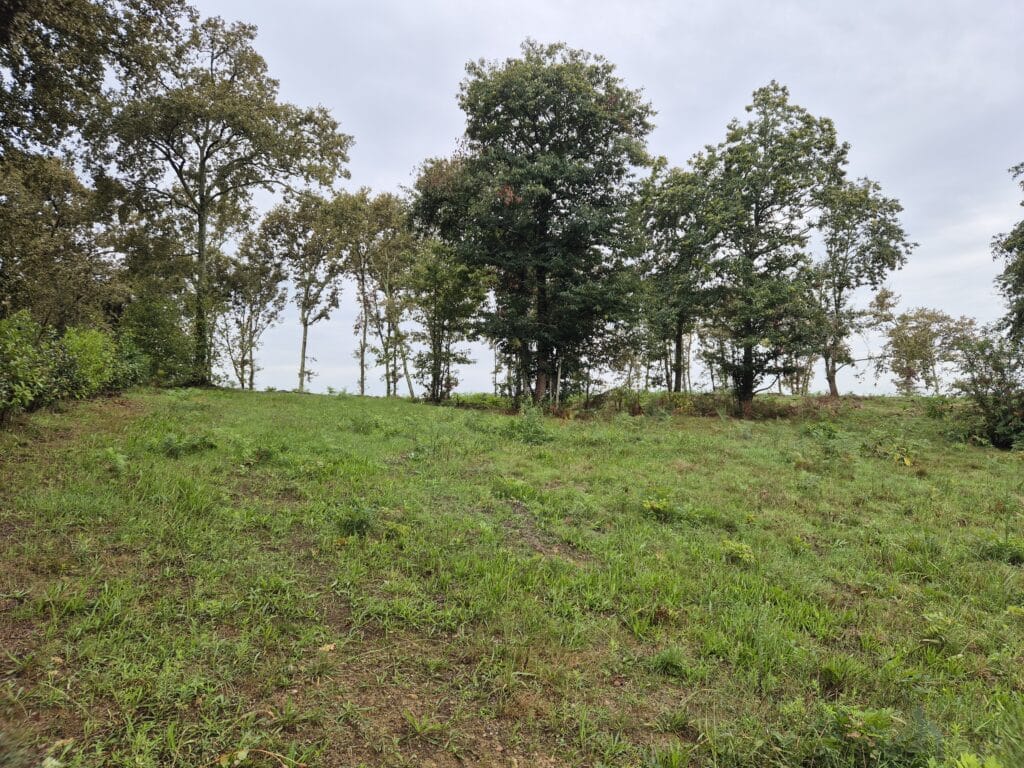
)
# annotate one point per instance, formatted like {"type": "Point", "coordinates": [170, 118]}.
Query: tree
{"type": "Point", "coordinates": [205, 131]}
{"type": "Point", "coordinates": [763, 183]}
{"type": "Point", "coordinates": [383, 255]}
{"type": "Point", "coordinates": [1010, 247]}
{"type": "Point", "coordinates": [255, 298]}
{"type": "Point", "coordinates": [55, 56]}
{"type": "Point", "coordinates": [446, 295]}
{"type": "Point", "coordinates": [539, 198]}
{"type": "Point", "coordinates": [921, 346]}
{"type": "Point", "coordinates": [672, 207]}
{"type": "Point", "coordinates": [51, 260]}
{"type": "Point", "coordinates": [308, 236]}
{"type": "Point", "coordinates": [863, 242]}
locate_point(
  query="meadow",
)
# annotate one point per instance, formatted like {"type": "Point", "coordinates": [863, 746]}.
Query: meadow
{"type": "Point", "coordinates": [213, 578]}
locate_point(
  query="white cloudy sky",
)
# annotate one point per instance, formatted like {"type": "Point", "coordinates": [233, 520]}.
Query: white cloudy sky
{"type": "Point", "coordinates": [929, 95]}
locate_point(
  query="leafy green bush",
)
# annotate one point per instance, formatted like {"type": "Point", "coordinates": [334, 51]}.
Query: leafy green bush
{"type": "Point", "coordinates": [95, 359]}
{"type": "Point", "coordinates": [153, 323]}
{"type": "Point", "coordinates": [992, 369]}
{"type": "Point", "coordinates": [24, 363]}
{"type": "Point", "coordinates": [38, 368]}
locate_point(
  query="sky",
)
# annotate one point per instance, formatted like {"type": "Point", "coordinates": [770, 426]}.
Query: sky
{"type": "Point", "coordinates": [928, 94]}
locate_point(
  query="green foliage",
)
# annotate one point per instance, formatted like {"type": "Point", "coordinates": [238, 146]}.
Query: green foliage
{"type": "Point", "coordinates": [353, 521]}
{"type": "Point", "coordinates": [197, 135]}
{"type": "Point", "coordinates": [95, 359]}
{"type": "Point", "coordinates": [25, 363]}
{"type": "Point", "coordinates": [528, 427]}
{"type": "Point", "coordinates": [760, 302]}
{"type": "Point", "coordinates": [992, 378]}
{"type": "Point", "coordinates": [153, 323]}
{"type": "Point", "coordinates": [37, 368]}
{"type": "Point", "coordinates": [738, 553]}
{"type": "Point", "coordinates": [175, 445]}
{"type": "Point", "coordinates": [1010, 248]}
{"type": "Point", "coordinates": [661, 509]}
{"type": "Point", "coordinates": [538, 199]}
{"type": "Point", "coordinates": [876, 737]}
{"type": "Point", "coordinates": [893, 445]}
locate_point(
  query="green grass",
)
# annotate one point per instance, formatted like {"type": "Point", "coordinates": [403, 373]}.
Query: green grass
{"type": "Point", "coordinates": [196, 578]}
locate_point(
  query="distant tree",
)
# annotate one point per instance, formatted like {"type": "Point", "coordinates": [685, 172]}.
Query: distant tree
{"type": "Point", "coordinates": [763, 182]}
{"type": "Point", "coordinates": [446, 295]}
{"type": "Point", "coordinates": [204, 131]}
{"type": "Point", "coordinates": [254, 298]}
{"type": "Point", "coordinates": [539, 198]}
{"type": "Point", "coordinates": [308, 237]}
{"type": "Point", "coordinates": [920, 348]}
{"type": "Point", "coordinates": [389, 252]}
{"type": "Point", "coordinates": [1010, 248]}
{"type": "Point", "coordinates": [672, 210]}
{"type": "Point", "coordinates": [863, 242]}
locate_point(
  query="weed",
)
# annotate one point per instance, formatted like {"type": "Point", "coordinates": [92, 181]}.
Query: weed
{"type": "Point", "coordinates": [738, 553]}
{"type": "Point", "coordinates": [174, 445]}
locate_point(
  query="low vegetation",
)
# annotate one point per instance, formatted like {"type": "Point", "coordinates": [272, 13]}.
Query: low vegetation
{"type": "Point", "coordinates": [203, 577]}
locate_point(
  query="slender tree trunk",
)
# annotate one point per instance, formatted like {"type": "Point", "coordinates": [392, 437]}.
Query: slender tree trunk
{"type": "Point", "coordinates": [677, 362]}
{"type": "Point", "coordinates": [362, 354]}
{"type": "Point", "coordinates": [201, 350]}
{"type": "Point", "coordinates": [302, 358]}
{"type": "Point", "coordinates": [405, 369]}
{"type": "Point", "coordinates": [745, 384]}
{"type": "Point", "coordinates": [558, 382]}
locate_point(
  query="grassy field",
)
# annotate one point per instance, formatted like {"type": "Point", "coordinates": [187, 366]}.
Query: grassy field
{"type": "Point", "coordinates": [204, 578]}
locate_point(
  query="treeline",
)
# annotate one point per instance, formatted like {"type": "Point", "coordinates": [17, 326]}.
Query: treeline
{"type": "Point", "coordinates": [136, 134]}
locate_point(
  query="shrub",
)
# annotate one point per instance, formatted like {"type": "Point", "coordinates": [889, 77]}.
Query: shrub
{"type": "Point", "coordinates": [95, 359]}
{"type": "Point", "coordinates": [992, 378]}
{"type": "Point", "coordinates": [877, 737]}
{"type": "Point", "coordinates": [893, 445]}
{"type": "Point", "coordinates": [25, 367]}
{"type": "Point", "coordinates": [527, 428]}
{"type": "Point", "coordinates": [37, 368]}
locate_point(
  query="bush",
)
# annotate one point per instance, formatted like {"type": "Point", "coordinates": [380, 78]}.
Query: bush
{"type": "Point", "coordinates": [25, 368]}
{"type": "Point", "coordinates": [95, 358]}
{"type": "Point", "coordinates": [992, 369]}
{"type": "Point", "coordinates": [37, 368]}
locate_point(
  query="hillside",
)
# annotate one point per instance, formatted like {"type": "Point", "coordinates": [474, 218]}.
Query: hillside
{"type": "Point", "coordinates": [203, 577]}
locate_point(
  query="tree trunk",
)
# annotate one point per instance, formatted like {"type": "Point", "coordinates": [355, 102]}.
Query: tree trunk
{"type": "Point", "coordinates": [201, 350]}
{"type": "Point", "coordinates": [677, 361]}
{"type": "Point", "coordinates": [362, 354]}
{"type": "Point", "coordinates": [302, 358]}
{"type": "Point", "coordinates": [541, 390]}
{"type": "Point", "coordinates": [830, 376]}
{"type": "Point", "coordinates": [745, 384]}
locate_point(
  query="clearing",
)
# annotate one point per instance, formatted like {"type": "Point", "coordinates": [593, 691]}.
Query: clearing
{"type": "Point", "coordinates": [194, 578]}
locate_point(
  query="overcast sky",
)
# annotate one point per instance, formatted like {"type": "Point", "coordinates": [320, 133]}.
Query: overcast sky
{"type": "Point", "coordinates": [930, 95]}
